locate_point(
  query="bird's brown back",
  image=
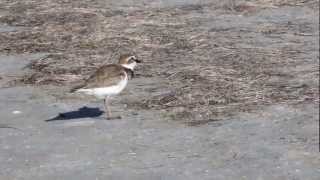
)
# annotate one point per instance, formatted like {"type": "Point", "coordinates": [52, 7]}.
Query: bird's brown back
{"type": "Point", "coordinates": [107, 75]}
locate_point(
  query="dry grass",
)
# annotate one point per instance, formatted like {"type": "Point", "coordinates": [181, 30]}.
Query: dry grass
{"type": "Point", "coordinates": [209, 73]}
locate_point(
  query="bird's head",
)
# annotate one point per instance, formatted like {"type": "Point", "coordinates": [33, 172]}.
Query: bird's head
{"type": "Point", "coordinates": [129, 61]}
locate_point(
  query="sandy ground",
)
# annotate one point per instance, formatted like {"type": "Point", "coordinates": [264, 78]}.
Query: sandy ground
{"type": "Point", "coordinates": [255, 115]}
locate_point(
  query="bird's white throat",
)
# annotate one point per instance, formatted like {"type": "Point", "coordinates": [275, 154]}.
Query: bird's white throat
{"type": "Point", "coordinates": [129, 66]}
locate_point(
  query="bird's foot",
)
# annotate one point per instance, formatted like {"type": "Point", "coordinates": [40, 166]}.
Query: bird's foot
{"type": "Point", "coordinates": [113, 117]}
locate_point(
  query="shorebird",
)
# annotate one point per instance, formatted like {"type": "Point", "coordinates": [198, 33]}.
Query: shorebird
{"type": "Point", "coordinates": [109, 80]}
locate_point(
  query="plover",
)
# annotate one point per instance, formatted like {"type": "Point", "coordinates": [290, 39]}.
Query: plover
{"type": "Point", "coordinates": [109, 80]}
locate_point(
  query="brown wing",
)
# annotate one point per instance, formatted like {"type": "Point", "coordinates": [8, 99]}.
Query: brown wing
{"type": "Point", "coordinates": [107, 75]}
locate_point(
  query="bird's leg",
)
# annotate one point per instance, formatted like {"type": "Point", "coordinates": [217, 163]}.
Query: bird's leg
{"type": "Point", "coordinates": [107, 109]}
{"type": "Point", "coordinates": [108, 112]}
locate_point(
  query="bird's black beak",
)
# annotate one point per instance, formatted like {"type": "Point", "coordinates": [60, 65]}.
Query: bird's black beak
{"type": "Point", "coordinates": [138, 60]}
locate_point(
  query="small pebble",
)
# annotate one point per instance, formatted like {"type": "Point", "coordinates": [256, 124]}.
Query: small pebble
{"type": "Point", "coordinates": [16, 112]}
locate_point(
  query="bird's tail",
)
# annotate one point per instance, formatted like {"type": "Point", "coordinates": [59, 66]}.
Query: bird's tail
{"type": "Point", "coordinates": [75, 88]}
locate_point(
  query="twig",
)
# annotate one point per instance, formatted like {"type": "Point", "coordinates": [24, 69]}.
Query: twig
{"type": "Point", "coordinates": [9, 127]}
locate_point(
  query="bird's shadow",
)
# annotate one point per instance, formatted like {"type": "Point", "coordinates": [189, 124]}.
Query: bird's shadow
{"type": "Point", "coordinates": [84, 112]}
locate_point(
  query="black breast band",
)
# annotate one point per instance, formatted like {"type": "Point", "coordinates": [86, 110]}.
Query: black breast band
{"type": "Point", "coordinates": [129, 71]}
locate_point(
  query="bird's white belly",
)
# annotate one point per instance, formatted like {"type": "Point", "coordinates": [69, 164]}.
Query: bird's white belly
{"type": "Point", "coordinates": [103, 92]}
